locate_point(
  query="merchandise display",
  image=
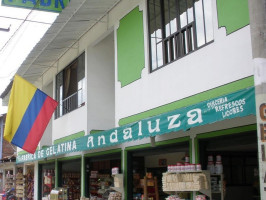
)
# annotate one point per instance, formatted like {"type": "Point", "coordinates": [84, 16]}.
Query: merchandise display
{"type": "Point", "coordinates": [9, 180]}
{"type": "Point", "coordinates": [100, 185]}
{"type": "Point", "coordinates": [58, 194]}
{"type": "Point", "coordinates": [115, 196]}
{"type": "Point", "coordinates": [29, 181]}
{"type": "Point", "coordinates": [184, 181]}
{"type": "Point", "coordinates": [48, 182]}
{"type": "Point", "coordinates": [20, 185]}
{"type": "Point", "coordinates": [71, 181]}
{"type": "Point", "coordinates": [150, 187]}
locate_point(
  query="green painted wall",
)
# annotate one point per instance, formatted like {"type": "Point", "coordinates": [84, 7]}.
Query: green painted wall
{"type": "Point", "coordinates": [219, 91]}
{"type": "Point", "coordinates": [130, 47]}
{"type": "Point", "coordinates": [70, 137]}
{"type": "Point", "coordinates": [232, 14]}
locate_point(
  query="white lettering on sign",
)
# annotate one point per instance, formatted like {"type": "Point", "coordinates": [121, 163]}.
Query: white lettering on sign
{"type": "Point", "coordinates": [113, 137]}
{"type": "Point", "coordinates": [90, 142]}
{"type": "Point", "coordinates": [156, 129]}
{"type": "Point", "coordinates": [172, 120]}
{"type": "Point", "coordinates": [127, 133]}
{"type": "Point", "coordinates": [194, 116]}
{"type": "Point", "coordinates": [101, 138]}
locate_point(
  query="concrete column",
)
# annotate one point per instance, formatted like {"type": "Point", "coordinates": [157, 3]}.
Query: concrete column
{"type": "Point", "coordinates": [257, 12]}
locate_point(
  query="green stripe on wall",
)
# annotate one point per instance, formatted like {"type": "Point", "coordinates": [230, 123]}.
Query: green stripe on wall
{"type": "Point", "coordinates": [219, 91]}
{"type": "Point", "coordinates": [70, 137]}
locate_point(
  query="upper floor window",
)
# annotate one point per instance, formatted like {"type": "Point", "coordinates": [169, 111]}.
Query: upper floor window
{"type": "Point", "coordinates": [178, 27]}
{"type": "Point", "coordinates": [70, 86]}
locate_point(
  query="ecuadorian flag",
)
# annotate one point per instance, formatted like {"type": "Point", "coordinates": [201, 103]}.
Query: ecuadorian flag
{"type": "Point", "coordinates": [29, 112]}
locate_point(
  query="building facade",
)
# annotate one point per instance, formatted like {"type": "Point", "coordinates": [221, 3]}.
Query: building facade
{"type": "Point", "coordinates": [143, 85]}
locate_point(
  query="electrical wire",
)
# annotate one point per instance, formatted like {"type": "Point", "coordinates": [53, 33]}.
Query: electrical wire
{"type": "Point", "coordinates": [19, 19]}
{"type": "Point", "coordinates": [12, 36]}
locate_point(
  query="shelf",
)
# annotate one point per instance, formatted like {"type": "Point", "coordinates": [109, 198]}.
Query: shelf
{"type": "Point", "coordinates": [204, 189]}
{"type": "Point", "coordinates": [184, 172]}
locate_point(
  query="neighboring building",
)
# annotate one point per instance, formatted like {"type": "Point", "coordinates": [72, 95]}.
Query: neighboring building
{"type": "Point", "coordinates": [7, 155]}
{"type": "Point", "coordinates": [167, 81]}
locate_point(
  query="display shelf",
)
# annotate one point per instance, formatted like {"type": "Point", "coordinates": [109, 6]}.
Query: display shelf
{"type": "Point", "coordinates": [20, 186]}
{"type": "Point", "coordinates": [9, 182]}
{"type": "Point", "coordinates": [71, 180]}
{"type": "Point", "coordinates": [118, 183]}
{"type": "Point", "coordinates": [150, 188]}
{"type": "Point", "coordinates": [187, 182]}
{"type": "Point", "coordinates": [217, 186]}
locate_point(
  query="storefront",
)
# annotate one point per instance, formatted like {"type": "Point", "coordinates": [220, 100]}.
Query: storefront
{"type": "Point", "coordinates": [146, 165]}
{"type": "Point", "coordinates": [156, 153]}
{"type": "Point", "coordinates": [231, 156]}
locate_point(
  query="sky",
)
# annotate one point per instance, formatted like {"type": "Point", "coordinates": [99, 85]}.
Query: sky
{"type": "Point", "coordinates": [26, 28]}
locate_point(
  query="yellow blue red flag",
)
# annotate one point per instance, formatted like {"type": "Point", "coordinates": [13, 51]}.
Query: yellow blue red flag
{"type": "Point", "coordinates": [29, 112]}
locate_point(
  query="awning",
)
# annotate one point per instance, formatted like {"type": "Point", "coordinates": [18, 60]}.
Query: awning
{"type": "Point", "coordinates": [237, 104]}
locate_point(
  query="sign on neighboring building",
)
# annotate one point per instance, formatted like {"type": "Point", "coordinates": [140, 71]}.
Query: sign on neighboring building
{"type": "Point", "coordinates": [49, 5]}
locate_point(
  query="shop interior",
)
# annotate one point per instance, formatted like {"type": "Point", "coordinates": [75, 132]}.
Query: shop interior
{"type": "Point", "coordinates": [47, 180]}
{"type": "Point", "coordinates": [238, 155]}
{"type": "Point", "coordinates": [99, 178]}
{"type": "Point", "coordinates": [146, 166]}
{"type": "Point", "coordinates": [69, 176]}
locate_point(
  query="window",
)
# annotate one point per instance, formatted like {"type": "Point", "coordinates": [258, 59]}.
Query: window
{"type": "Point", "coordinates": [70, 86]}
{"type": "Point", "coordinates": [178, 27]}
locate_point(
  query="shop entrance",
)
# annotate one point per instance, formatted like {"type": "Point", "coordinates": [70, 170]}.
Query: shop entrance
{"type": "Point", "coordinates": [47, 181]}
{"type": "Point", "coordinates": [99, 178]}
{"type": "Point", "coordinates": [69, 176]}
{"type": "Point", "coordinates": [233, 163]}
{"type": "Point", "coordinates": [149, 164]}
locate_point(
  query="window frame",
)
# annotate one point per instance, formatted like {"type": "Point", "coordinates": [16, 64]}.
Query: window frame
{"type": "Point", "coordinates": [59, 113]}
{"type": "Point", "coordinates": [194, 22]}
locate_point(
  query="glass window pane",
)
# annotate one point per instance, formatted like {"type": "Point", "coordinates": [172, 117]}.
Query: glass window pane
{"type": "Point", "coordinates": [174, 47]}
{"type": "Point", "coordinates": [153, 52]}
{"type": "Point", "coordinates": [167, 18]}
{"type": "Point", "coordinates": [160, 54]}
{"type": "Point", "coordinates": [185, 42]}
{"type": "Point", "coordinates": [155, 32]}
{"type": "Point", "coordinates": [208, 20]}
{"type": "Point", "coordinates": [183, 13]}
{"type": "Point", "coordinates": [172, 7]}
{"type": "Point", "coordinates": [199, 23]}
{"type": "Point", "coordinates": [192, 38]}
{"type": "Point", "coordinates": [190, 11]}
{"type": "Point", "coordinates": [81, 67]}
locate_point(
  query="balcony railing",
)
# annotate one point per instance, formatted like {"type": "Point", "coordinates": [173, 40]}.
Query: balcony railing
{"type": "Point", "coordinates": [180, 43]}
{"type": "Point", "coordinates": [70, 103]}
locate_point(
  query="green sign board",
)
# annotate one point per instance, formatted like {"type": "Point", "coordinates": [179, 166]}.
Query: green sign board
{"type": "Point", "coordinates": [238, 104]}
{"type": "Point", "coordinates": [48, 5]}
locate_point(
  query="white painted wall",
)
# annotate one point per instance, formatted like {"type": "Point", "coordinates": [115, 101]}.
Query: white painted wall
{"type": "Point", "coordinates": [225, 60]}
{"type": "Point", "coordinates": [100, 76]}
